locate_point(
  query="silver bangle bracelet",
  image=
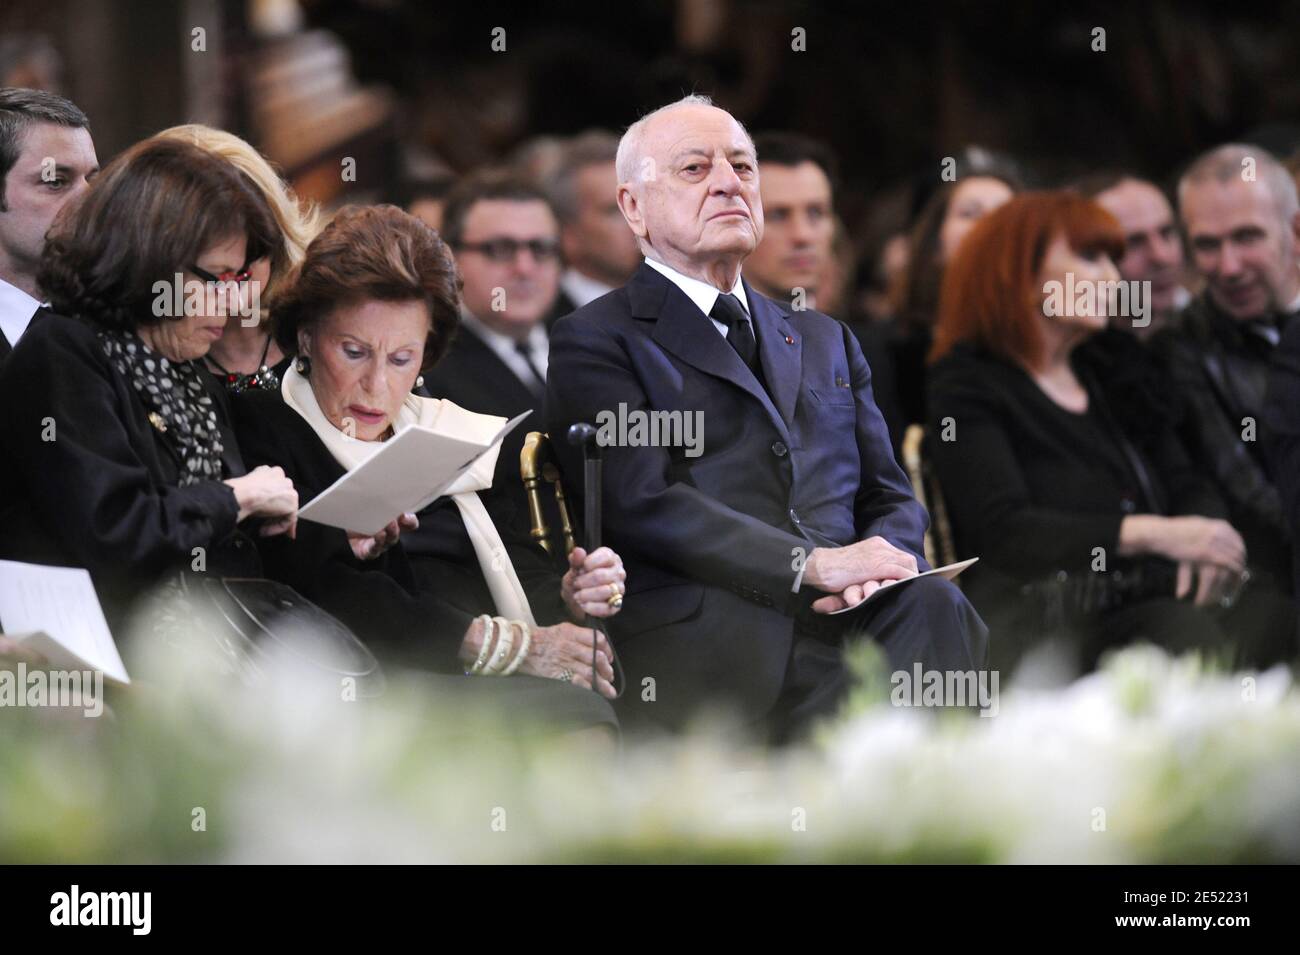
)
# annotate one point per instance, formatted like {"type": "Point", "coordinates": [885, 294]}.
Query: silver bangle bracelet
{"type": "Point", "coordinates": [505, 642]}
{"type": "Point", "coordinates": [488, 629]}
{"type": "Point", "coordinates": [524, 646]}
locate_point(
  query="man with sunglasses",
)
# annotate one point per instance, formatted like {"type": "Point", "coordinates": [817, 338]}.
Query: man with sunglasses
{"type": "Point", "coordinates": [506, 239]}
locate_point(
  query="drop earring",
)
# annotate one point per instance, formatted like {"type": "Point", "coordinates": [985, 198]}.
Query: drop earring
{"type": "Point", "coordinates": [419, 381]}
{"type": "Point", "coordinates": [303, 365]}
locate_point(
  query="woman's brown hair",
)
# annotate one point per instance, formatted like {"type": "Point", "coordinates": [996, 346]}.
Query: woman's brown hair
{"type": "Point", "coordinates": [372, 253]}
{"type": "Point", "coordinates": [991, 296]}
{"type": "Point", "coordinates": [914, 293]}
{"type": "Point", "coordinates": [148, 216]}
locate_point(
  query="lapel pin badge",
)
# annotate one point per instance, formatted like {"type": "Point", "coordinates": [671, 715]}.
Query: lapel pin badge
{"type": "Point", "coordinates": [789, 340]}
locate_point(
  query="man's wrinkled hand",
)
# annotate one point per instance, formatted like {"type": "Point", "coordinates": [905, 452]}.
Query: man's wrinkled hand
{"type": "Point", "coordinates": [836, 569]}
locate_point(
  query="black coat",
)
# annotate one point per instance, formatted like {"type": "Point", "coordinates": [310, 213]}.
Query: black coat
{"type": "Point", "coordinates": [89, 482]}
{"type": "Point", "coordinates": [474, 377]}
{"type": "Point", "coordinates": [908, 347]}
{"type": "Point", "coordinates": [6, 346]}
{"type": "Point", "coordinates": [875, 337]}
{"type": "Point", "coordinates": [1220, 367]}
{"type": "Point", "coordinates": [563, 306]}
{"type": "Point", "coordinates": [411, 605]}
{"type": "Point", "coordinates": [713, 543]}
{"type": "Point", "coordinates": [1282, 435]}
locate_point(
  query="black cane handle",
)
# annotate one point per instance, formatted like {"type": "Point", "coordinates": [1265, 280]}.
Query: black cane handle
{"type": "Point", "coordinates": [583, 435]}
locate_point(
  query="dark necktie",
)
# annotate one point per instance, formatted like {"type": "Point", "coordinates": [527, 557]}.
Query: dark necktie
{"type": "Point", "coordinates": [538, 385]}
{"type": "Point", "coordinates": [728, 310]}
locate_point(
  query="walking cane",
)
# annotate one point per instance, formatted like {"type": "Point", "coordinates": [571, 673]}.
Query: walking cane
{"type": "Point", "coordinates": [583, 435]}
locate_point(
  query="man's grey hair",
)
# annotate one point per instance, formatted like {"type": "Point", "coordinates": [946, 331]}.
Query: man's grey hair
{"type": "Point", "coordinates": [596, 147]}
{"type": "Point", "coordinates": [629, 147]}
{"type": "Point", "coordinates": [1225, 163]}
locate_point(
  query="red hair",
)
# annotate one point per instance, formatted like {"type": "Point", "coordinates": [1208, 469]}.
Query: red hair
{"type": "Point", "coordinates": [991, 295]}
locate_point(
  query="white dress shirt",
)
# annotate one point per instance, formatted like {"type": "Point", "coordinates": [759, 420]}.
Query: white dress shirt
{"type": "Point", "coordinates": [537, 343]}
{"type": "Point", "coordinates": [582, 289]}
{"type": "Point", "coordinates": [16, 311]}
{"type": "Point", "coordinates": [702, 294]}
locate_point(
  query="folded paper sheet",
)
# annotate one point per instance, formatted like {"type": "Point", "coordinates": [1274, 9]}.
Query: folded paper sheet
{"type": "Point", "coordinates": [948, 573]}
{"type": "Point", "coordinates": [55, 611]}
{"type": "Point", "coordinates": [406, 474]}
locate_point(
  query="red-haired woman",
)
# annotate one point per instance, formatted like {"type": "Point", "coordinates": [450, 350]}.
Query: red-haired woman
{"type": "Point", "coordinates": [1060, 466]}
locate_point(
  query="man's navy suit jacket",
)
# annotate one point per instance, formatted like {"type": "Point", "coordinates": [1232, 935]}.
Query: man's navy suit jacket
{"type": "Point", "coordinates": [713, 543]}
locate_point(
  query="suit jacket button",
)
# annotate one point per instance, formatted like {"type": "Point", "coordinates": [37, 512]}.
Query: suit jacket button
{"type": "Point", "coordinates": [794, 516]}
{"type": "Point", "coordinates": [779, 449]}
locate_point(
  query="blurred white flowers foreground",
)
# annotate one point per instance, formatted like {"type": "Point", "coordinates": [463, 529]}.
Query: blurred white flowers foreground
{"type": "Point", "coordinates": [1149, 760]}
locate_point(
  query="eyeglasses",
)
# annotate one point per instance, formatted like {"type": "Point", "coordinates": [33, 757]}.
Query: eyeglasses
{"type": "Point", "coordinates": [239, 276]}
{"type": "Point", "coordinates": [504, 251]}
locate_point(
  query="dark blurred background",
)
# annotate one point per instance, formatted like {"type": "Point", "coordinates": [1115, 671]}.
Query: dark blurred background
{"type": "Point", "coordinates": [410, 88]}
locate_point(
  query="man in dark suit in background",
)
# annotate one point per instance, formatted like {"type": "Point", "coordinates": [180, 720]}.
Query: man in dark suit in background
{"type": "Point", "coordinates": [785, 504]}
{"type": "Point", "coordinates": [1243, 236]}
{"type": "Point", "coordinates": [507, 246]}
{"type": "Point", "coordinates": [46, 159]}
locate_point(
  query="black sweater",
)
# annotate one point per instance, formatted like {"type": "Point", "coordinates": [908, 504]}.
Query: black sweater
{"type": "Point", "coordinates": [1031, 487]}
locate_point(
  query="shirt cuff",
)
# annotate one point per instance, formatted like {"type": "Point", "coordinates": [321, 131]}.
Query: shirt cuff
{"type": "Point", "coordinates": [798, 578]}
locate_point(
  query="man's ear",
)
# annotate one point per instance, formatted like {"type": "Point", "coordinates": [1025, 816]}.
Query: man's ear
{"type": "Point", "coordinates": [630, 206]}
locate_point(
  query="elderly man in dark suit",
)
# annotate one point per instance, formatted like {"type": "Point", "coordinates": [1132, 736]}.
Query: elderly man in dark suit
{"type": "Point", "coordinates": [786, 504]}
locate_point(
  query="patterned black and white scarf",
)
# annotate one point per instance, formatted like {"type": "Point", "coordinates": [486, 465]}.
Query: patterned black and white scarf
{"type": "Point", "coordinates": [179, 404]}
